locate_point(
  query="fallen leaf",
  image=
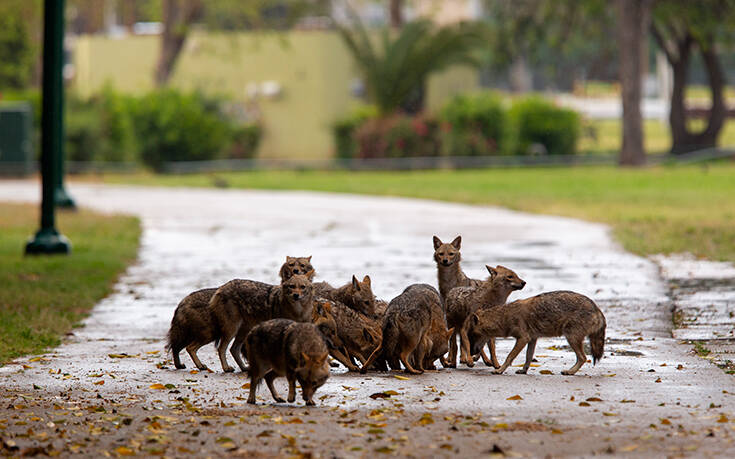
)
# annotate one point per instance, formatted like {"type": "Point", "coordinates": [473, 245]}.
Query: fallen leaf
{"type": "Point", "coordinates": [723, 418]}
{"type": "Point", "coordinates": [665, 422]}
{"type": "Point", "coordinates": [402, 378]}
{"type": "Point", "coordinates": [99, 383]}
{"type": "Point", "coordinates": [584, 404]}
{"type": "Point", "coordinates": [546, 372]}
{"type": "Point", "coordinates": [384, 449]}
{"type": "Point", "coordinates": [34, 359]}
{"type": "Point", "coordinates": [557, 431]}
{"type": "Point", "coordinates": [515, 397]}
{"type": "Point", "coordinates": [124, 451]}
{"type": "Point", "coordinates": [246, 385]}
{"type": "Point", "coordinates": [594, 399]}
{"type": "Point", "coordinates": [658, 380]}
{"type": "Point", "coordinates": [625, 400]}
{"type": "Point", "coordinates": [378, 395]}
{"type": "Point", "coordinates": [604, 413]}
{"type": "Point", "coordinates": [426, 419]}
{"type": "Point", "coordinates": [629, 448]}
{"type": "Point", "coordinates": [157, 386]}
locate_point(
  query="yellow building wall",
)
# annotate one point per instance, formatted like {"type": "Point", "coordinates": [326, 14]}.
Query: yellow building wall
{"type": "Point", "coordinates": [313, 69]}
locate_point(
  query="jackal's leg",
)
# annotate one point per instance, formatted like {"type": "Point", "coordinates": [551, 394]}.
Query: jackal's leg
{"type": "Point", "coordinates": [177, 359]}
{"type": "Point", "coordinates": [493, 356]}
{"type": "Point", "coordinates": [236, 351]}
{"type": "Point", "coordinates": [405, 353]}
{"type": "Point", "coordinates": [529, 357]}
{"type": "Point", "coordinates": [256, 374]}
{"type": "Point", "coordinates": [465, 356]}
{"type": "Point", "coordinates": [451, 361]}
{"type": "Point", "coordinates": [376, 353]}
{"type": "Point", "coordinates": [291, 389]}
{"type": "Point", "coordinates": [343, 359]}
{"type": "Point", "coordinates": [485, 358]}
{"type": "Point", "coordinates": [576, 343]}
{"type": "Point", "coordinates": [269, 377]}
{"type": "Point", "coordinates": [192, 350]}
{"type": "Point", "coordinates": [520, 342]}
{"type": "Point", "coordinates": [222, 351]}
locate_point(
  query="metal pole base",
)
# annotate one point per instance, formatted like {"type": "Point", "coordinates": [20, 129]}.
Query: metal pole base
{"type": "Point", "coordinates": [48, 241]}
{"type": "Point", "coordinates": [63, 200]}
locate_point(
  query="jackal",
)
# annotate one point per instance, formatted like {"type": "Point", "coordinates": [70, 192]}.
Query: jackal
{"type": "Point", "coordinates": [406, 327]}
{"type": "Point", "coordinates": [192, 327]}
{"type": "Point", "coordinates": [241, 304]}
{"type": "Point", "coordinates": [463, 301]}
{"type": "Point", "coordinates": [560, 313]}
{"type": "Point", "coordinates": [355, 294]}
{"type": "Point", "coordinates": [282, 347]}
{"type": "Point", "coordinates": [297, 265]}
{"type": "Point", "coordinates": [359, 333]}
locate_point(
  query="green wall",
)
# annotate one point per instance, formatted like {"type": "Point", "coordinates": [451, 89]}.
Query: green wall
{"type": "Point", "coordinates": [313, 68]}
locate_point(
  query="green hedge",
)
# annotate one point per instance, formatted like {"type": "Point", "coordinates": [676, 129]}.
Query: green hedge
{"type": "Point", "coordinates": [471, 125]}
{"type": "Point", "coordinates": [474, 125]}
{"type": "Point", "coordinates": [161, 126]}
{"type": "Point", "coordinates": [542, 127]}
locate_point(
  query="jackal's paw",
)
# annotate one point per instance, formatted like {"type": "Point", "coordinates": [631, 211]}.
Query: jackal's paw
{"type": "Point", "coordinates": [203, 368]}
{"type": "Point", "coordinates": [291, 399]}
{"type": "Point", "coordinates": [310, 403]}
{"type": "Point", "coordinates": [279, 400]}
{"type": "Point", "coordinates": [521, 372]}
{"type": "Point", "coordinates": [497, 372]}
{"type": "Point", "coordinates": [251, 401]}
{"type": "Point", "coordinates": [228, 369]}
{"type": "Point", "coordinates": [568, 373]}
{"type": "Point", "coordinates": [180, 366]}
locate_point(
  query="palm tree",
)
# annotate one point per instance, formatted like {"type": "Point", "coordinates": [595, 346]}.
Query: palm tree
{"type": "Point", "coordinates": [395, 75]}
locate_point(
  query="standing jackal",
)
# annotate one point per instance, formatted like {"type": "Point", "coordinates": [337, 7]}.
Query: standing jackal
{"type": "Point", "coordinates": [241, 304]}
{"type": "Point", "coordinates": [192, 327]}
{"type": "Point", "coordinates": [282, 347]}
{"type": "Point", "coordinates": [463, 301]}
{"type": "Point", "coordinates": [561, 313]}
{"type": "Point", "coordinates": [406, 327]}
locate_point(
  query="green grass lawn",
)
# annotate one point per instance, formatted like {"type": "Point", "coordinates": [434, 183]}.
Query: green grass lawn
{"type": "Point", "coordinates": [652, 210]}
{"type": "Point", "coordinates": [43, 297]}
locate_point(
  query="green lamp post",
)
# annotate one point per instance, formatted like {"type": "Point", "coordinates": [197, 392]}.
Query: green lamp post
{"type": "Point", "coordinates": [48, 240]}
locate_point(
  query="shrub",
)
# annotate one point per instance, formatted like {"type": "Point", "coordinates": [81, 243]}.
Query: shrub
{"type": "Point", "coordinates": [244, 141]}
{"type": "Point", "coordinates": [176, 126]}
{"type": "Point", "coordinates": [537, 121]}
{"type": "Point", "coordinates": [100, 128]}
{"type": "Point", "coordinates": [474, 125]}
{"type": "Point", "coordinates": [398, 136]}
{"type": "Point", "coordinates": [344, 130]}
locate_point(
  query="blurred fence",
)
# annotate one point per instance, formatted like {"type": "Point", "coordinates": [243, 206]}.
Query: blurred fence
{"type": "Point", "coordinates": [390, 164]}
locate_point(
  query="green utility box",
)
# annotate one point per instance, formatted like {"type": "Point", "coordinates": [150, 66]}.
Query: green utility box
{"type": "Point", "coordinates": [16, 146]}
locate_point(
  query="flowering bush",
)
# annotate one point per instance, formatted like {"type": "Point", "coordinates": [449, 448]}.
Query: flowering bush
{"type": "Point", "coordinates": [398, 136]}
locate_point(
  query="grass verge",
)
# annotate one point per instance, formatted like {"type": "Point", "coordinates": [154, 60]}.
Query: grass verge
{"type": "Point", "coordinates": [652, 210]}
{"type": "Point", "coordinates": [42, 298]}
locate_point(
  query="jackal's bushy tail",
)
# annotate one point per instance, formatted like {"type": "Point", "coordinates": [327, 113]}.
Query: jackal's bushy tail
{"type": "Point", "coordinates": [597, 341]}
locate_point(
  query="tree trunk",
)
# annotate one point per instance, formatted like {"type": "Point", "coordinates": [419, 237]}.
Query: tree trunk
{"type": "Point", "coordinates": [395, 10]}
{"type": "Point", "coordinates": [631, 14]}
{"type": "Point", "coordinates": [684, 140]}
{"type": "Point", "coordinates": [177, 17]}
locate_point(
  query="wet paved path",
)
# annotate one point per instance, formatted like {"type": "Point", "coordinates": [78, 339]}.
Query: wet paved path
{"type": "Point", "coordinates": [196, 238]}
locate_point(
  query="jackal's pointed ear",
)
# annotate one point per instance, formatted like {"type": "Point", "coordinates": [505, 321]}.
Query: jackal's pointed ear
{"type": "Point", "coordinates": [308, 258]}
{"type": "Point", "coordinates": [289, 258]}
{"type": "Point", "coordinates": [366, 280]}
{"type": "Point", "coordinates": [321, 359]}
{"type": "Point", "coordinates": [355, 282]}
{"type": "Point", "coordinates": [437, 242]}
{"type": "Point", "coordinates": [475, 319]}
{"type": "Point", "coordinates": [306, 357]}
{"type": "Point", "coordinates": [457, 242]}
{"type": "Point", "coordinates": [368, 336]}
{"type": "Point", "coordinates": [450, 332]}
{"type": "Point", "coordinates": [491, 270]}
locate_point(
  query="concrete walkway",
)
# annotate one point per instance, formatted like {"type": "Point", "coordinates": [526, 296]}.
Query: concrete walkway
{"type": "Point", "coordinates": [197, 238]}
